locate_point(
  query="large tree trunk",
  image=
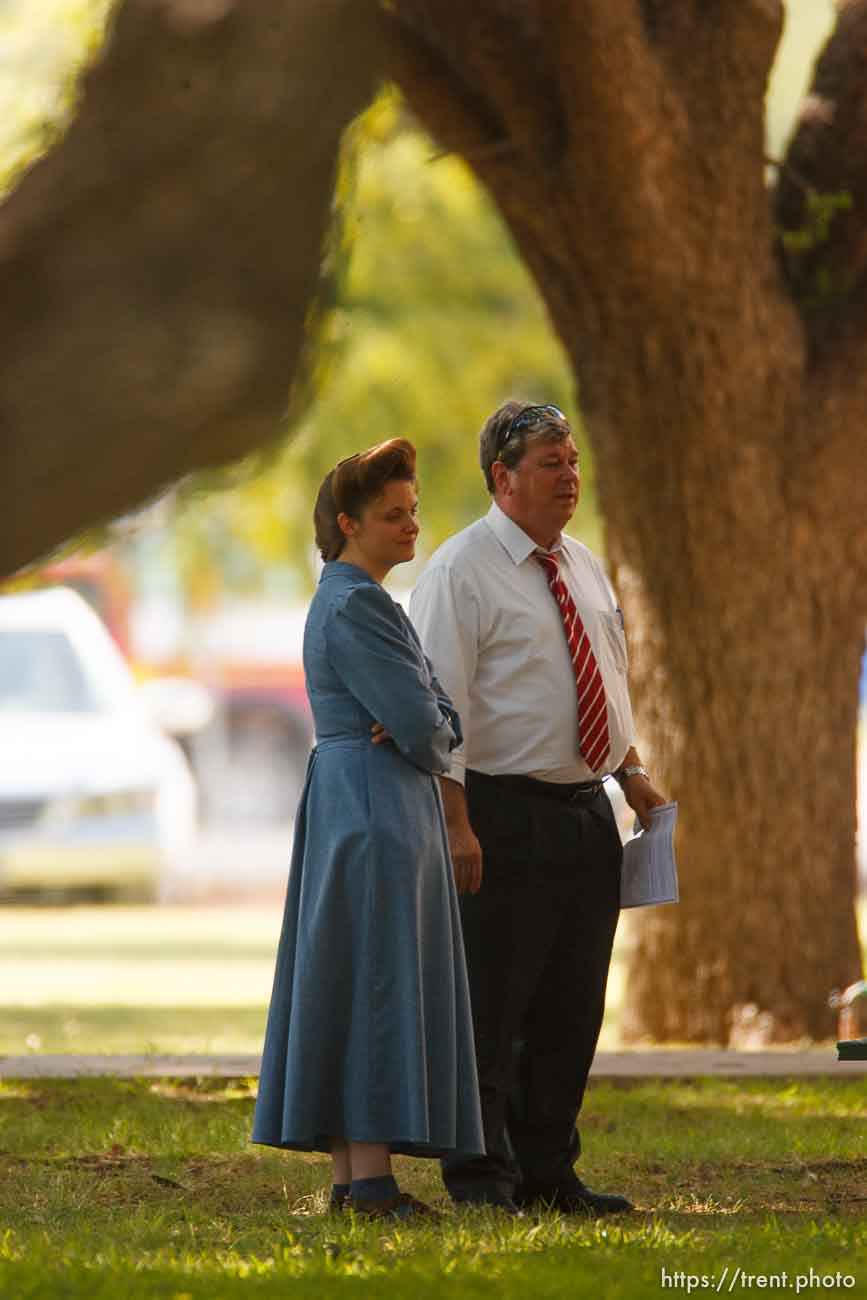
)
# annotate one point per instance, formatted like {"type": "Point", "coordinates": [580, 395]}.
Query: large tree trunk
{"type": "Point", "coordinates": [623, 143]}
{"type": "Point", "coordinates": [747, 669]}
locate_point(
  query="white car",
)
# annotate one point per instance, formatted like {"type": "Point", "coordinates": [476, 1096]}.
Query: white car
{"type": "Point", "coordinates": [93, 796]}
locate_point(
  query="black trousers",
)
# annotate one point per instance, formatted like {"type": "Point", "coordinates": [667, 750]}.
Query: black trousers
{"type": "Point", "coordinates": [538, 939]}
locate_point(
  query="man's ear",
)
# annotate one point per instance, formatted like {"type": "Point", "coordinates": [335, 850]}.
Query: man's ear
{"type": "Point", "coordinates": [500, 475]}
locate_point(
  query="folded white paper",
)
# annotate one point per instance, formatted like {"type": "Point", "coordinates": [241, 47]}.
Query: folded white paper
{"type": "Point", "coordinates": [649, 870]}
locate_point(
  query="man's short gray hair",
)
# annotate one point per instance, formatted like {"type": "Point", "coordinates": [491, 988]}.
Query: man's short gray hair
{"type": "Point", "coordinates": [496, 444]}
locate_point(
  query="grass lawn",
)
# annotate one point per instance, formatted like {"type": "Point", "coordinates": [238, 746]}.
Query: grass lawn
{"type": "Point", "coordinates": [113, 1189]}
{"type": "Point", "coordinates": [136, 979]}
{"type": "Point", "coordinates": [136, 1189]}
{"type": "Point", "coordinates": [171, 979]}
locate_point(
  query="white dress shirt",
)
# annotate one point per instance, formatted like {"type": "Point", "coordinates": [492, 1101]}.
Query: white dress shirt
{"type": "Point", "coordinates": [489, 623]}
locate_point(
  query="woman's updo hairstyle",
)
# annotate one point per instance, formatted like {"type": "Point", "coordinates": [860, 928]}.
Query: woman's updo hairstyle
{"type": "Point", "coordinates": [355, 482]}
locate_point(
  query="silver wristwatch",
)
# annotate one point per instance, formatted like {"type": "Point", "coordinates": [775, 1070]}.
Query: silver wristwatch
{"type": "Point", "coordinates": [635, 769]}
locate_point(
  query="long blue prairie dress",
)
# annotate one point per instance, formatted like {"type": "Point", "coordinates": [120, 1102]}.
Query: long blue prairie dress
{"type": "Point", "coordinates": [369, 1033]}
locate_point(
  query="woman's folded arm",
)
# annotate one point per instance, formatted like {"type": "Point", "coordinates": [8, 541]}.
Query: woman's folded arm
{"type": "Point", "coordinates": [370, 649]}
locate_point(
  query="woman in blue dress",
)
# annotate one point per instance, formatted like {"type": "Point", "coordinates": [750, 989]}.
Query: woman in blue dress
{"type": "Point", "coordinates": [369, 1045]}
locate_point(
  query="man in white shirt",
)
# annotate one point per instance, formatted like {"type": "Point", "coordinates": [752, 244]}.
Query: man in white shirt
{"type": "Point", "coordinates": [526, 637]}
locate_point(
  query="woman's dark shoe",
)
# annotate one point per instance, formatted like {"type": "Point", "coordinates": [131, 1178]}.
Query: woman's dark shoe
{"type": "Point", "coordinates": [402, 1206]}
{"type": "Point", "coordinates": [338, 1202]}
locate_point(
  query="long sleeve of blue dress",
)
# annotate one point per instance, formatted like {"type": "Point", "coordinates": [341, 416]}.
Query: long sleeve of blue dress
{"type": "Point", "coordinates": [373, 649]}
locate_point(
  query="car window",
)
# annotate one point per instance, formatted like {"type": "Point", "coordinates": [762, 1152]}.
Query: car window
{"type": "Point", "coordinates": [41, 673]}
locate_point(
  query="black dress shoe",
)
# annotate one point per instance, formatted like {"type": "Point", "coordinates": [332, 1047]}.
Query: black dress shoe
{"type": "Point", "coordinates": [502, 1203]}
{"type": "Point", "coordinates": [574, 1198]}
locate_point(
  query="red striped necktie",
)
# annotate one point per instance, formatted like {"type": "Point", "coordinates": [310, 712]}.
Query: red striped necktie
{"type": "Point", "coordinates": [593, 740]}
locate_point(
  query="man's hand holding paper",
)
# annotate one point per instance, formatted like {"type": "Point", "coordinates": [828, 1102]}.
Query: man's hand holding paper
{"type": "Point", "coordinates": [649, 873]}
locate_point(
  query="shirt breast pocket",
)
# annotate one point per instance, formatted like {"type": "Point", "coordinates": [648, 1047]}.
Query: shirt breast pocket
{"type": "Point", "coordinates": [615, 639]}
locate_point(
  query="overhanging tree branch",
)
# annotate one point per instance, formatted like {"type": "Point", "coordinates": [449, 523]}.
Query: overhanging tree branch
{"type": "Point", "coordinates": [156, 268]}
{"type": "Point", "coordinates": [494, 64]}
{"type": "Point", "coordinates": [461, 118]}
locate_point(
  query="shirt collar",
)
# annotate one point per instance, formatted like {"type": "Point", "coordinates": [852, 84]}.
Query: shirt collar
{"type": "Point", "coordinates": [513, 539]}
{"type": "Point", "coordinates": [342, 569]}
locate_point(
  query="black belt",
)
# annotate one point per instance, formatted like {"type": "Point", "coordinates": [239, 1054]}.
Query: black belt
{"type": "Point", "coordinates": [563, 792]}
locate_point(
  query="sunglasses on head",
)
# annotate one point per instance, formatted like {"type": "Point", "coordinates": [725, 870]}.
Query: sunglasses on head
{"type": "Point", "coordinates": [527, 418]}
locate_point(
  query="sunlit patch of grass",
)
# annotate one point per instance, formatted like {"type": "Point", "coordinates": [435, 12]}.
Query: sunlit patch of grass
{"type": "Point", "coordinates": [205, 1089]}
{"type": "Point", "coordinates": [693, 1203]}
{"type": "Point", "coordinates": [13, 1090]}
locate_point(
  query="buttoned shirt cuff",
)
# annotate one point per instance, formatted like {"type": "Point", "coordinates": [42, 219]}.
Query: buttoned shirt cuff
{"type": "Point", "coordinates": [457, 770]}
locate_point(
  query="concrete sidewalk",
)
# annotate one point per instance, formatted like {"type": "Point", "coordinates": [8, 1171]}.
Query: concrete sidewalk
{"type": "Point", "coordinates": [636, 1064]}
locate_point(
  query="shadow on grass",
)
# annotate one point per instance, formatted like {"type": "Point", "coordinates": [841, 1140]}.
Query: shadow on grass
{"type": "Point", "coordinates": [759, 1145]}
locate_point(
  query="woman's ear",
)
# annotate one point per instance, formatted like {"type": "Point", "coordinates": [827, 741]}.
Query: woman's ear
{"type": "Point", "coordinates": [347, 525]}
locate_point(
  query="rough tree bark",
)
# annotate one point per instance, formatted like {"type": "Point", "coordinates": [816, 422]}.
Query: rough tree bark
{"type": "Point", "coordinates": [623, 142]}
{"type": "Point", "coordinates": [156, 268]}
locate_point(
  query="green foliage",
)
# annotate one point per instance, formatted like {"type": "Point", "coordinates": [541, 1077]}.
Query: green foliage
{"type": "Point", "coordinates": [45, 48]}
{"type": "Point", "coordinates": [819, 213]}
{"type": "Point", "coordinates": [817, 282]}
